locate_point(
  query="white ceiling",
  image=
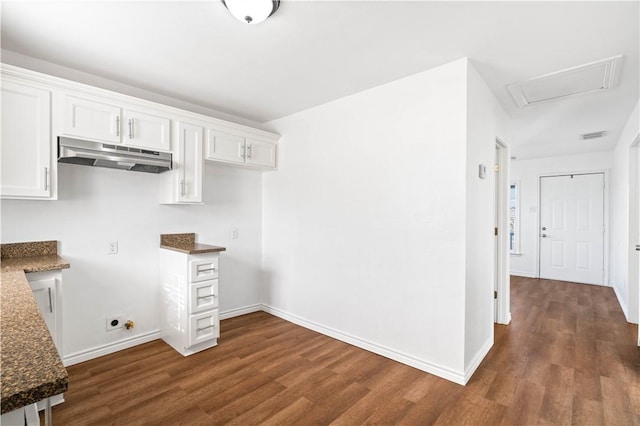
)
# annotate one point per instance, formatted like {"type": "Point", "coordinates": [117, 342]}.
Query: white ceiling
{"type": "Point", "coordinates": [312, 52]}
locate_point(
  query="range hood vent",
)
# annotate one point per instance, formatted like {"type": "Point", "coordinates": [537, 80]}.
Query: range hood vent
{"type": "Point", "coordinates": [96, 154]}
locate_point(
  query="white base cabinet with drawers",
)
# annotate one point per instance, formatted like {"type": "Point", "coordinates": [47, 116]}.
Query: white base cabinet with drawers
{"type": "Point", "coordinates": [190, 320]}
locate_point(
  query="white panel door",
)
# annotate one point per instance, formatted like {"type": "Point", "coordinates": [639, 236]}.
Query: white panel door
{"type": "Point", "coordinates": [91, 120]}
{"type": "Point", "coordinates": [261, 153]}
{"type": "Point", "coordinates": [189, 163]}
{"type": "Point", "coordinates": [572, 228]}
{"type": "Point", "coordinates": [26, 141]}
{"type": "Point", "coordinates": [225, 147]}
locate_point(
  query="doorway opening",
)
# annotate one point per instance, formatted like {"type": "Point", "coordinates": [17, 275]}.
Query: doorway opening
{"type": "Point", "coordinates": [502, 291]}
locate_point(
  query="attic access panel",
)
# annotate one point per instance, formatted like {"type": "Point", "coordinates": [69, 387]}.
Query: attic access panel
{"type": "Point", "coordinates": [588, 78]}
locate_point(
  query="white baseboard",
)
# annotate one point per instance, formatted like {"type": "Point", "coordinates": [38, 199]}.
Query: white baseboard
{"type": "Point", "coordinates": [623, 304]}
{"type": "Point", "coordinates": [505, 321]}
{"type": "Point", "coordinates": [429, 367]}
{"type": "Point", "coordinates": [240, 311]}
{"type": "Point", "coordinates": [523, 274]}
{"type": "Point", "coordinates": [109, 348]}
{"type": "Point", "coordinates": [475, 362]}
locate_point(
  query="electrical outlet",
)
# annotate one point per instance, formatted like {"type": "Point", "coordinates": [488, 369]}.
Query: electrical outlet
{"type": "Point", "coordinates": [113, 247]}
{"type": "Point", "coordinates": [234, 234]}
{"type": "Point", "coordinates": [114, 322]}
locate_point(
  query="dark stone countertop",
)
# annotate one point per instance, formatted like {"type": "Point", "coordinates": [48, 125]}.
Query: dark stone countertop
{"type": "Point", "coordinates": [186, 243]}
{"type": "Point", "coordinates": [30, 366]}
{"type": "Point", "coordinates": [49, 262]}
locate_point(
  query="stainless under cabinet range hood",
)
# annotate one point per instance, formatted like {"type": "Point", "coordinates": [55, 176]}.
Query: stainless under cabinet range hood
{"type": "Point", "coordinates": [87, 153]}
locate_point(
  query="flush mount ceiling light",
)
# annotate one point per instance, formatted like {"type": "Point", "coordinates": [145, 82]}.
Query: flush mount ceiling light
{"type": "Point", "coordinates": [593, 77]}
{"type": "Point", "coordinates": [251, 11]}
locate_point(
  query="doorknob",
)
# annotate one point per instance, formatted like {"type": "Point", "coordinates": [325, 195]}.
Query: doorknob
{"type": "Point", "coordinates": [544, 235]}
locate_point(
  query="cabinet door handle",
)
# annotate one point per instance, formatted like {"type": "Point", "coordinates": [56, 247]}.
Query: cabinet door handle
{"type": "Point", "coordinates": [206, 297]}
{"type": "Point", "coordinates": [117, 125]}
{"type": "Point", "coordinates": [131, 128]}
{"type": "Point", "coordinates": [182, 187]}
{"type": "Point", "coordinates": [46, 178]}
{"type": "Point", "coordinates": [50, 303]}
{"type": "Point", "coordinates": [205, 328]}
{"type": "Point", "coordinates": [249, 153]}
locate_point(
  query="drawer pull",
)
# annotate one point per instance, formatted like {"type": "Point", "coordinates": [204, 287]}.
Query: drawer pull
{"type": "Point", "coordinates": [206, 297]}
{"type": "Point", "coordinates": [206, 270]}
{"type": "Point", "coordinates": [205, 328]}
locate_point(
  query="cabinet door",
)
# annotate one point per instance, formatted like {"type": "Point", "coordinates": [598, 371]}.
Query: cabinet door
{"type": "Point", "coordinates": [146, 131]}
{"type": "Point", "coordinates": [261, 153]}
{"type": "Point", "coordinates": [189, 163]}
{"type": "Point", "coordinates": [203, 327]}
{"type": "Point", "coordinates": [203, 296]}
{"type": "Point", "coordinates": [225, 147]}
{"type": "Point", "coordinates": [93, 120]}
{"type": "Point", "coordinates": [44, 293]}
{"type": "Point", "coordinates": [26, 141]}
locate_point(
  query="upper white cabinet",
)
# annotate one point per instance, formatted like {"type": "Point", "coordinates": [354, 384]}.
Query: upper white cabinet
{"type": "Point", "coordinates": [26, 142]}
{"type": "Point", "coordinates": [223, 146]}
{"type": "Point", "coordinates": [38, 108]}
{"type": "Point", "coordinates": [260, 153]}
{"type": "Point", "coordinates": [183, 184]}
{"type": "Point", "coordinates": [240, 149]}
{"type": "Point", "coordinates": [89, 119]}
{"type": "Point", "coordinates": [146, 130]}
{"type": "Point", "coordinates": [105, 122]}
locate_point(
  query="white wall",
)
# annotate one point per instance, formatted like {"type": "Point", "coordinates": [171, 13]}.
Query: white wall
{"type": "Point", "coordinates": [624, 262]}
{"type": "Point", "coordinates": [98, 205]}
{"type": "Point", "coordinates": [527, 174]}
{"type": "Point", "coordinates": [485, 120]}
{"type": "Point", "coordinates": [364, 226]}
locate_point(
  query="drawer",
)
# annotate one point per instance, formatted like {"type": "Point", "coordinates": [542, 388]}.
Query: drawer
{"type": "Point", "coordinates": [203, 269]}
{"type": "Point", "coordinates": [203, 296]}
{"type": "Point", "coordinates": [203, 327]}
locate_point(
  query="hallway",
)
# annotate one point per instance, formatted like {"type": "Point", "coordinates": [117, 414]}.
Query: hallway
{"type": "Point", "coordinates": [568, 356]}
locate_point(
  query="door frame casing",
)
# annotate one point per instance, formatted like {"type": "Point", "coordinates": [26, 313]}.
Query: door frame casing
{"type": "Point", "coordinates": [501, 202]}
{"type": "Point", "coordinates": [633, 279]}
{"type": "Point", "coordinates": [606, 200]}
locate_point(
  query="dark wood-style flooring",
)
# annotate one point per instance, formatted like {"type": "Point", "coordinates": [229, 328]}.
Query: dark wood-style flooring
{"type": "Point", "coordinates": [568, 357]}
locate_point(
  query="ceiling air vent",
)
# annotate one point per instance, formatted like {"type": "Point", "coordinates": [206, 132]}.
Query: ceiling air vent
{"type": "Point", "coordinates": [588, 78]}
{"type": "Point", "coordinates": [593, 135]}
